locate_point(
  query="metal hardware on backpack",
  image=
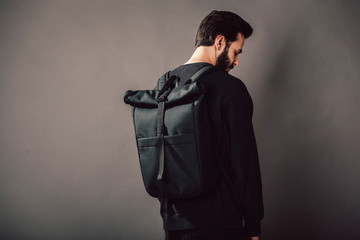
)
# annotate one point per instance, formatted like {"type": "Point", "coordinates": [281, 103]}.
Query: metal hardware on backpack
{"type": "Point", "coordinates": [173, 136]}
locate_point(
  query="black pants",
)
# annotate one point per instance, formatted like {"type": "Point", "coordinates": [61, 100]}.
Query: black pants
{"type": "Point", "coordinates": [202, 234]}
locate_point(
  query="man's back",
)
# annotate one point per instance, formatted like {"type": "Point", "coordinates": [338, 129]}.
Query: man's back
{"type": "Point", "coordinates": [237, 194]}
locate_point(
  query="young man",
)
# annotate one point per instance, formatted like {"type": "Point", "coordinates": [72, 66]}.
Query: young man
{"type": "Point", "coordinates": [234, 208]}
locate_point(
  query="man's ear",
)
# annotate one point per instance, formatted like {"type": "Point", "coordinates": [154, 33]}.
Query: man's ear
{"type": "Point", "coordinates": [220, 42]}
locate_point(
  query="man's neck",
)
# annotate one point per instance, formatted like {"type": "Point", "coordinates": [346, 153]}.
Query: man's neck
{"type": "Point", "coordinates": [203, 54]}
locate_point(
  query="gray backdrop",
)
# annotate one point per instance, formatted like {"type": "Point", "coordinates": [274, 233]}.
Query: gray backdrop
{"type": "Point", "coordinates": [69, 167]}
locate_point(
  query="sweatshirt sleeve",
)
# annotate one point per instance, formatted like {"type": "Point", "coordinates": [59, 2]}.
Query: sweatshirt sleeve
{"type": "Point", "coordinates": [244, 161]}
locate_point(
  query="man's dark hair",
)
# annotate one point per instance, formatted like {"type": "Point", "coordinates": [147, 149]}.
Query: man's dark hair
{"type": "Point", "coordinates": [223, 23]}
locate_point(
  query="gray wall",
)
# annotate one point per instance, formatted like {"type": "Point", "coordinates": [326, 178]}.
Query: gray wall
{"type": "Point", "coordinates": [69, 167]}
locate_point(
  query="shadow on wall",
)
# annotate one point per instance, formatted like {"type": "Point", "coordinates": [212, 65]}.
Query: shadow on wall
{"type": "Point", "coordinates": [304, 196]}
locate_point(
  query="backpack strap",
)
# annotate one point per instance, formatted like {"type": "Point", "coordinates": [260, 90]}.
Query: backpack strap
{"type": "Point", "coordinates": [160, 138]}
{"type": "Point", "coordinates": [162, 80]}
{"type": "Point", "coordinates": [164, 92]}
{"type": "Point", "coordinates": [201, 72]}
{"type": "Point", "coordinates": [166, 88]}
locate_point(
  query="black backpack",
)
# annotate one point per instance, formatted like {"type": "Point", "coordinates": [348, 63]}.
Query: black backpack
{"type": "Point", "coordinates": [174, 137]}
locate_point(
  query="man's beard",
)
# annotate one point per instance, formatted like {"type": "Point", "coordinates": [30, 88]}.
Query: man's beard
{"type": "Point", "coordinates": [223, 61]}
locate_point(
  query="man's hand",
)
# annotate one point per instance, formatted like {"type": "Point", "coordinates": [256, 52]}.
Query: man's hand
{"type": "Point", "coordinates": [251, 238]}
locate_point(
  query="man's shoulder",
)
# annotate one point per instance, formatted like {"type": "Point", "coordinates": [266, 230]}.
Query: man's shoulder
{"type": "Point", "coordinates": [222, 80]}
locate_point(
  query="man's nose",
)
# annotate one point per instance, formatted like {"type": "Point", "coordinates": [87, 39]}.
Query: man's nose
{"type": "Point", "coordinates": [236, 62]}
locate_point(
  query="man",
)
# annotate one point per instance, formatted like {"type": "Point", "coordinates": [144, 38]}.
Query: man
{"type": "Point", "coordinates": [234, 208]}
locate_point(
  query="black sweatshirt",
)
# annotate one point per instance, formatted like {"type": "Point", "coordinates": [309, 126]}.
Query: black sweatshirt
{"type": "Point", "coordinates": [238, 194]}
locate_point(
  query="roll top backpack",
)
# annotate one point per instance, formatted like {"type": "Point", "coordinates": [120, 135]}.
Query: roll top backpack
{"type": "Point", "coordinates": [174, 137]}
